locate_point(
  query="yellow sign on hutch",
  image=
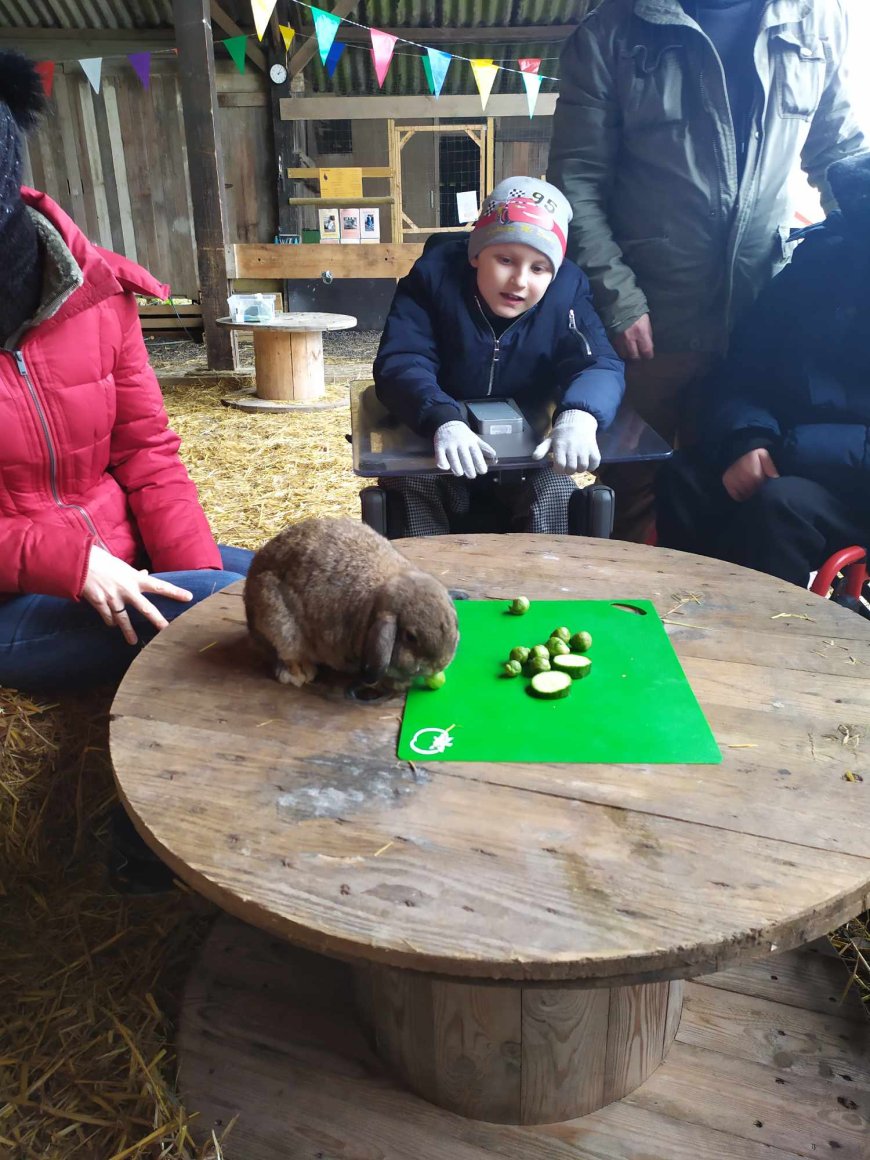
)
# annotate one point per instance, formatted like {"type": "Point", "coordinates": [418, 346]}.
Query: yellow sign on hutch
{"type": "Point", "coordinates": [343, 182]}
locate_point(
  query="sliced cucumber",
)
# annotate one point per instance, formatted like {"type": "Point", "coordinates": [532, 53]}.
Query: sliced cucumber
{"type": "Point", "coordinates": [576, 667]}
{"type": "Point", "coordinates": [550, 686]}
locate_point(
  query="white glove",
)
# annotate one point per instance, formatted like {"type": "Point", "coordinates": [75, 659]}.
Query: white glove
{"type": "Point", "coordinates": [573, 442]}
{"type": "Point", "coordinates": [460, 450]}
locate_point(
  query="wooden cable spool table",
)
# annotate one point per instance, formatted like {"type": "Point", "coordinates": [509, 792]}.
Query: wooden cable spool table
{"type": "Point", "coordinates": [518, 932]}
{"type": "Point", "coordinates": [288, 361]}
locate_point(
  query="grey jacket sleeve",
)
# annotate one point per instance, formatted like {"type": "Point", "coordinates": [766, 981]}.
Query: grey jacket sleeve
{"type": "Point", "coordinates": [583, 157]}
{"type": "Point", "coordinates": [834, 132]}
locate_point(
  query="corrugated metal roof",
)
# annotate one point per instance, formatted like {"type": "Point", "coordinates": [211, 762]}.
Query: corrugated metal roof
{"type": "Point", "coordinates": [86, 14]}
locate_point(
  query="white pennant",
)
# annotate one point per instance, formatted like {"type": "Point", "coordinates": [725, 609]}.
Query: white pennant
{"type": "Point", "coordinates": [92, 67]}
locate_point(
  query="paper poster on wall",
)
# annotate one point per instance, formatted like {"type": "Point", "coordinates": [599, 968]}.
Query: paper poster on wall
{"type": "Point", "coordinates": [349, 225]}
{"type": "Point", "coordinates": [329, 231]}
{"type": "Point", "coordinates": [345, 181]}
{"type": "Point", "coordinates": [370, 225]}
{"type": "Point", "coordinates": [466, 206]}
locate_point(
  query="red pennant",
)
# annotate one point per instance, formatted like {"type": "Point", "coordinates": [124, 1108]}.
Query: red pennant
{"type": "Point", "coordinates": [45, 68]}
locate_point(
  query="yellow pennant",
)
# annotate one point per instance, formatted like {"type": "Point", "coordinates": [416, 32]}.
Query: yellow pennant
{"type": "Point", "coordinates": [287, 34]}
{"type": "Point", "coordinates": [484, 74]}
{"type": "Point", "coordinates": [262, 10]}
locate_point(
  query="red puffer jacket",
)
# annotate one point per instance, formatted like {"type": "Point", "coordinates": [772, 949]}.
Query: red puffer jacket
{"type": "Point", "coordinates": [86, 454]}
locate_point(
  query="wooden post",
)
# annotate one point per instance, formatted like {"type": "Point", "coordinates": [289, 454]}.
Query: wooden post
{"type": "Point", "coordinates": [288, 136]}
{"type": "Point", "coordinates": [205, 160]}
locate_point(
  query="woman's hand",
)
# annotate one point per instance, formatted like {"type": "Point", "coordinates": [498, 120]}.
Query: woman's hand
{"type": "Point", "coordinates": [746, 475]}
{"type": "Point", "coordinates": [111, 585]}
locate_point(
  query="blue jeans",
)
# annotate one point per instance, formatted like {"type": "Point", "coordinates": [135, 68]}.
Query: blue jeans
{"type": "Point", "coordinates": [47, 642]}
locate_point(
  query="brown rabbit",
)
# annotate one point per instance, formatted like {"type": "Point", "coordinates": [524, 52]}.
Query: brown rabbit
{"type": "Point", "coordinates": [333, 592]}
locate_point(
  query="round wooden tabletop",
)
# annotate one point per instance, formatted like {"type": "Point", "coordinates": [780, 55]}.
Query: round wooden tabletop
{"type": "Point", "coordinates": [303, 320]}
{"type": "Point", "coordinates": [290, 809]}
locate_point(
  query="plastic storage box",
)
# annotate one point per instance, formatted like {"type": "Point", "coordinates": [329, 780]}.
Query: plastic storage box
{"type": "Point", "coordinates": [251, 307]}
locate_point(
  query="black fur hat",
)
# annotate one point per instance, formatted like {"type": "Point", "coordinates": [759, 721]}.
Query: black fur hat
{"type": "Point", "coordinates": [22, 99]}
{"type": "Point", "coordinates": [849, 180]}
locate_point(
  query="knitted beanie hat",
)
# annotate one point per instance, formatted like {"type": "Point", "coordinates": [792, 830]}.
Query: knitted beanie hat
{"type": "Point", "coordinates": [849, 180]}
{"type": "Point", "coordinates": [523, 209]}
{"type": "Point", "coordinates": [21, 101]}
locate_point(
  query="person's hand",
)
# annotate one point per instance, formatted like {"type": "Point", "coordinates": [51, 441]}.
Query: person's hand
{"type": "Point", "coordinates": [111, 585]}
{"type": "Point", "coordinates": [573, 442]}
{"type": "Point", "coordinates": [746, 475]}
{"type": "Point", "coordinates": [636, 342]}
{"type": "Point", "coordinates": [458, 449]}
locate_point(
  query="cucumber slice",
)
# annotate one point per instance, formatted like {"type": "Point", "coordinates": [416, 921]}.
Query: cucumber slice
{"type": "Point", "coordinates": [576, 667]}
{"type": "Point", "coordinates": [550, 686]}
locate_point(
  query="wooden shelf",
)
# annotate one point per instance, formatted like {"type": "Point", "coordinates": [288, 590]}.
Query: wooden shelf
{"type": "Point", "coordinates": [339, 202]}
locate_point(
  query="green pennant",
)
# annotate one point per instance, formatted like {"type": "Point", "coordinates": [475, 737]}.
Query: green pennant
{"type": "Point", "coordinates": [235, 46]}
{"type": "Point", "coordinates": [427, 69]}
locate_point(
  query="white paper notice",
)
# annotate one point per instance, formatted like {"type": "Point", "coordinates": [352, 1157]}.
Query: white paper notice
{"type": "Point", "coordinates": [466, 206]}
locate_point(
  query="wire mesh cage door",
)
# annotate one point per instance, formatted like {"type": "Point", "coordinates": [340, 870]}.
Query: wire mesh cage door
{"type": "Point", "coordinates": [433, 164]}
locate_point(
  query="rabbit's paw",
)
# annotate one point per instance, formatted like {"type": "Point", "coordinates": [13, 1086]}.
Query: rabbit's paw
{"type": "Point", "coordinates": [297, 673]}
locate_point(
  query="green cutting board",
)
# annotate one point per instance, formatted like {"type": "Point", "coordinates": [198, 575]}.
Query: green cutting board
{"type": "Point", "coordinates": [635, 706]}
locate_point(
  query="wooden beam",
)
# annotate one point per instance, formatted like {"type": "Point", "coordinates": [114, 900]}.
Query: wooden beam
{"type": "Point", "coordinates": [383, 108]}
{"type": "Point", "coordinates": [381, 260]}
{"type": "Point", "coordinates": [70, 44]}
{"type": "Point", "coordinates": [205, 161]}
{"type": "Point", "coordinates": [521, 34]}
{"type": "Point", "coordinates": [300, 59]}
{"type": "Point", "coordinates": [226, 24]}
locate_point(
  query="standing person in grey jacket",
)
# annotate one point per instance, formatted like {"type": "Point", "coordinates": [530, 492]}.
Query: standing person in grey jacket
{"type": "Point", "coordinates": [676, 129]}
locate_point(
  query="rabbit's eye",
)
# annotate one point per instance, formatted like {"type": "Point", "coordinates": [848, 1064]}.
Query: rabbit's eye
{"type": "Point", "coordinates": [410, 636]}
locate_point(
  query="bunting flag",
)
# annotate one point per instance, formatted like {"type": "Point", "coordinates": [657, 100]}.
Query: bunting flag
{"type": "Point", "coordinates": [382, 52]}
{"type": "Point", "coordinates": [287, 34]}
{"type": "Point", "coordinates": [45, 69]}
{"type": "Point", "coordinates": [262, 10]}
{"type": "Point", "coordinates": [529, 66]}
{"type": "Point", "coordinates": [333, 57]}
{"type": "Point", "coordinates": [435, 65]}
{"type": "Point", "coordinates": [235, 46]}
{"type": "Point", "coordinates": [141, 62]}
{"type": "Point", "coordinates": [325, 27]}
{"type": "Point", "coordinates": [484, 75]}
{"type": "Point", "coordinates": [92, 67]}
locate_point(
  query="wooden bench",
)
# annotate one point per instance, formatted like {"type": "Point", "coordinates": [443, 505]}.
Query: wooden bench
{"type": "Point", "coordinates": [157, 320]}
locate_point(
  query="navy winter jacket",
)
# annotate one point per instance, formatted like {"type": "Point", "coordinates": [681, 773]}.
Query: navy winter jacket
{"type": "Point", "coordinates": [438, 346]}
{"type": "Point", "coordinates": [797, 379]}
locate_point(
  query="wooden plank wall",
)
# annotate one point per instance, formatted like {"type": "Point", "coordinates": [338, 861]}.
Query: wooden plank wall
{"type": "Point", "coordinates": [117, 163]}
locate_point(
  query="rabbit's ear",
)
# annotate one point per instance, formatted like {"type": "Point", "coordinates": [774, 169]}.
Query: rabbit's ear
{"type": "Point", "coordinates": [378, 648]}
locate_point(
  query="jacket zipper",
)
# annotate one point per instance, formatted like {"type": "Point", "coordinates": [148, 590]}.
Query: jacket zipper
{"type": "Point", "coordinates": [496, 341]}
{"type": "Point", "coordinates": [579, 335]}
{"type": "Point", "coordinates": [52, 457]}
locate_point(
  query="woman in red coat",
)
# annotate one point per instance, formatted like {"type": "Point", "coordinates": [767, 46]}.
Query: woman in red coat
{"type": "Point", "coordinates": [102, 537]}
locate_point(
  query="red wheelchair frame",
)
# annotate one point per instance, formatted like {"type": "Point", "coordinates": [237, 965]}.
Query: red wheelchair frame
{"type": "Point", "coordinates": [852, 562]}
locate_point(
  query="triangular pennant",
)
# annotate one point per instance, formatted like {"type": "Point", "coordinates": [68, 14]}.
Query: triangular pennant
{"type": "Point", "coordinates": [141, 62]}
{"type": "Point", "coordinates": [92, 67]}
{"type": "Point", "coordinates": [262, 10]}
{"type": "Point", "coordinates": [287, 34]}
{"type": "Point", "coordinates": [325, 28]}
{"type": "Point", "coordinates": [334, 57]}
{"type": "Point", "coordinates": [382, 52]}
{"type": "Point", "coordinates": [484, 74]}
{"type": "Point", "coordinates": [436, 64]}
{"type": "Point", "coordinates": [45, 69]}
{"type": "Point", "coordinates": [235, 46]}
{"type": "Point", "coordinates": [529, 66]}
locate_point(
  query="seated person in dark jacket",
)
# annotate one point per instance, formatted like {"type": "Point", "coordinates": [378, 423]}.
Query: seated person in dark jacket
{"type": "Point", "coordinates": [783, 479]}
{"type": "Point", "coordinates": [498, 314]}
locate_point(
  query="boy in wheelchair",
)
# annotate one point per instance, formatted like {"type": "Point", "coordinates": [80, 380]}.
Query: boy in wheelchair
{"type": "Point", "coordinates": [782, 478]}
{"type": "Point", "coordinates": [498, 314]}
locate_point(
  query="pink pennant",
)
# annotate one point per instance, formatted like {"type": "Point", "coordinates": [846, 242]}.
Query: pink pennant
{"type": "Point", "coordinates": [529, 64]}
{"type": "Point", "coordinates": [382, 52]}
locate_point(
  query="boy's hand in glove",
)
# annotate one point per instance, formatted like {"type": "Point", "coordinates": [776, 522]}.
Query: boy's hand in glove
{"type": "Point", "coordinates": [573, 443]}
{"type": "Point", "coordinates": [459, 450]}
